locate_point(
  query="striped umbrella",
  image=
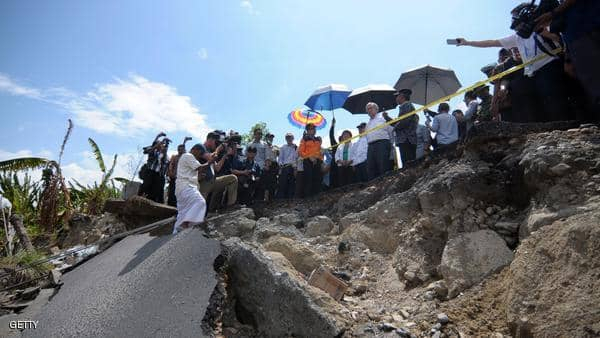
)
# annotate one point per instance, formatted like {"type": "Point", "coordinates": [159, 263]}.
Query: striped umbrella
{"type": "Point", "coordinates": [301, 117]}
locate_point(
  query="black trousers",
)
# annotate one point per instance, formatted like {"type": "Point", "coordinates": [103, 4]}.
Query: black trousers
{"type": "Point", "coordinates": [408, 153]}
{"type": "Point", "coordinates": [287, 183]}
{"type": "Point", "coordinates": [312, 177]}
{"type": "Point", "coordinates": [378, 158]}
{"type": "Point", "coordinates": [153, 187]}
{"type": "Point", "coordinates": [360, 172]}
{"type": "Point", "coordinates": [301, 188]}
{"type": "Point", "coordinates": [524, 102]}
{"type": "Point", "coordinates": [172, 200]}
{"type": "Point", "coordinates": [345, 175]}
{"type": "Point", "coordinates": [269, 183]}
{"type": "Point", "coordinates": [549, 82]}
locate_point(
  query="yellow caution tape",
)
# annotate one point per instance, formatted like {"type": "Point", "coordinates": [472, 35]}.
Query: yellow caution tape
{"type": "Point", "coordinates": [459, 92]}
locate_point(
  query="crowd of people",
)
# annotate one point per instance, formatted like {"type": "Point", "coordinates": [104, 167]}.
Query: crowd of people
{"type": "Point", "coordinates": [220, 173]}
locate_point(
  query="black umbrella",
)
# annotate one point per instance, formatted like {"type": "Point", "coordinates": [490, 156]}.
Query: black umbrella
{"type": "Point", "coordinates": [383, 95]}
{"type": "Point", "coordinates": [428, 83]}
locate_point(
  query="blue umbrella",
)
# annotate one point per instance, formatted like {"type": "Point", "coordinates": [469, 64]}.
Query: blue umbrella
{"type": "Point", "coordinates": [328, 97]}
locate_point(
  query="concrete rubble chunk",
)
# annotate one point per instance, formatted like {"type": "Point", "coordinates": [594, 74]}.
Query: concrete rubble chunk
{"type": "Point", "coordinates": [239, 223]}
{"type": "Point", "coordinates": [280, 303]}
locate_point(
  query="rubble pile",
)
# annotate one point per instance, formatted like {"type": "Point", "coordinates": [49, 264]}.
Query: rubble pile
{"type": "Point", "coordinates": [499, 238]}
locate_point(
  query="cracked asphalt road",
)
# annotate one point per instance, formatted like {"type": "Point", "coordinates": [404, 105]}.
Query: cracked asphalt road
{"type": "Point", "coordinates": [142, 286]}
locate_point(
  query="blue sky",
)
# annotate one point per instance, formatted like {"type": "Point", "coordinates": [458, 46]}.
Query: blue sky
{"type": "Point", "coordinates": [125, 70]}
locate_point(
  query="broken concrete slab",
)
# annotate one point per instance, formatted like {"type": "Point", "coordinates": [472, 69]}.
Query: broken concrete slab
{"type": "Point", "coordinates": [278, 302]}
{"type": "Point", "coordinates": [138, 211]}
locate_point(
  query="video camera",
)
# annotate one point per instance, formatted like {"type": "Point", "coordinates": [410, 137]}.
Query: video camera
{"type": "Point", "coordinates": [233, 140]}
{"type": "Point", "coordinates": [523, 22]}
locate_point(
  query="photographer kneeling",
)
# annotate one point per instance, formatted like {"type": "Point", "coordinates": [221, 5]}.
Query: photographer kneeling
{"type": "Point", "coordinates": [547, 74]}
{"type": "Point", "coordinates": [218, 179]}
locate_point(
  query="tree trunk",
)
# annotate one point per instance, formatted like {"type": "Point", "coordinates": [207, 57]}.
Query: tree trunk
{"type": "Point", "coordinates": [17, 221]}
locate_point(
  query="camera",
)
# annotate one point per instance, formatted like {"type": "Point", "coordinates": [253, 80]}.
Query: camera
{"type": "Point", "coordinates": [166, 141]}
{"type": "Point", "coordinates": [523, 21]}
{"type": "Point", "coordinates": [429, 114]}
{"type": "Point", "coordinates": [233, 140]}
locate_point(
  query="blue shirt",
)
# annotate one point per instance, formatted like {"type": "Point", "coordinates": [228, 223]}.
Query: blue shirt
{"type": "Point", "coordinates": [446, 127]}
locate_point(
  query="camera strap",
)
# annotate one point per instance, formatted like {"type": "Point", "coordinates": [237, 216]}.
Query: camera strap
{"type": "Point", "coordinates": [539, 44]}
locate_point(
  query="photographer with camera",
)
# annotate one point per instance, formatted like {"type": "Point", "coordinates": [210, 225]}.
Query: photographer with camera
{"type": "Point", "coordinates": [248, 174]}
{"type": "Point", "coordinates": [217, 181]}
{"type": "Point", "coordinates": [172, 172]}
{"type": "Point", "coordinates": [154, 170]}
{"type": "Point", "coordinates": [191, 206]}
{"type": "Point", "coordinates": [580, 29]}
{"type": "Point", "coordinates": [547, 73]}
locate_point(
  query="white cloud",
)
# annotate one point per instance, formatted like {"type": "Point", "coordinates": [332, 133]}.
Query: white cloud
{"type": "Point", "coordinates": [11, 87]}
{"type": "Point", "coordinates": [202, 54]}
{"type": "Point", "coordinates": [7, 155]}
{"type": "Point", "coordinates": [249, 7]}
{"type": "Point", "coordinates": [127, 107]}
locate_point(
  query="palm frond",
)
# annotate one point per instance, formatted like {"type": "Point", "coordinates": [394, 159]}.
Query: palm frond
{"type": "Point", "coordinates": [62, 147]}
{"type": "Point", "coordinates": [98, 155]}
{"type": "Point", "coordinates": [23, 163]}
{"type": "Point", "coordinates": [108, 175]}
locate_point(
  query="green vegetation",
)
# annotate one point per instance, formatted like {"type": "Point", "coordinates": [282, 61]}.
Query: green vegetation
{"type": "Point", "coordinates": [47, 205]}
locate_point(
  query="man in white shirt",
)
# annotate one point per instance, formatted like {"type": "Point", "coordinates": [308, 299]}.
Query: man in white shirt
{"type": "Point", "coordinates": [547, 73]}
{"type": "Point", "coordinates": [288, 156]}
{"type": "Point", "coordinates": [378, 151]}
{"type": "Point", "coordinates": [191, 206]}
{"type": "Point", "coordinates": [359, 155]}
{"type": "Point", "coordinates": [261, 148]}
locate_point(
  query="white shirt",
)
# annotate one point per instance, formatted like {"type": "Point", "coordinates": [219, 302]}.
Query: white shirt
{"type": "Point", "coordinates": [528, 50]}
{"type": "Point", "coordinates": [359, 151]}
{"type": "Point", "coordinates": [380, 134]}
{"type": "Point", "coordinates": [187, 172]}
{"type": "Point", "coordinates": [288, 155]}
{"type": "Point", "coordinates": [339, 153]}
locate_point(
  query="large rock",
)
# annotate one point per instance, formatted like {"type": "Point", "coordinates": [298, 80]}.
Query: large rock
{"type": "Point", "coordinates": [320, 225]}
{"type": "Point", "coordinates": [291, 219]}
{"type": "Point", "coordinates": [469, 258]}
{"type": "Point", "coordinates": [274, 300]}
{"type": "Point", "coordinates": [239, 223]}
{"type": "Point", "coordinates": [299, 254]}
{"type": "Point", "coordinates": [554, 281]}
